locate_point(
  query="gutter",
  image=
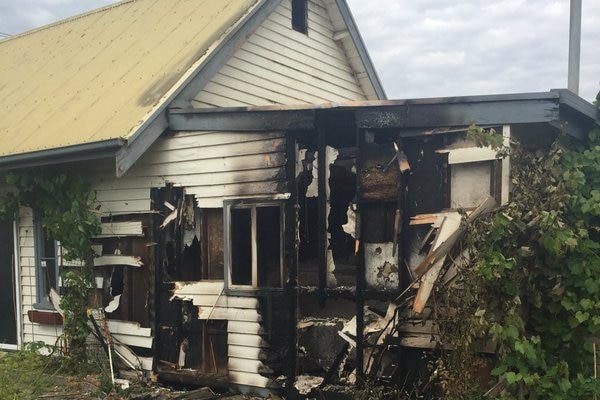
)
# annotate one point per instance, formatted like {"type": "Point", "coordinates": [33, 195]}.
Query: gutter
{"type": "Point", "coordinates": [80, 152]}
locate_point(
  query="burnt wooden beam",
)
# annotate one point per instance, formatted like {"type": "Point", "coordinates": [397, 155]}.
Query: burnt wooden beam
{"type": "Point", "coordinates": [291, 256]}
{"type": "Point", "coordinates": [322, 207]}
{"type": "Point", "coordinates": [458, 114]}
{"type": "Point", "coordinates": [360, 270]}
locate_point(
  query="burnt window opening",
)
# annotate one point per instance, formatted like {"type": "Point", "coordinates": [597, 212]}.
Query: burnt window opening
{"type": "Point", "coordinates": [255, 245]}
{"type": "Point", "coordinates": [213, 264]}
{"type": "Point", "coordinates": [300, 16]}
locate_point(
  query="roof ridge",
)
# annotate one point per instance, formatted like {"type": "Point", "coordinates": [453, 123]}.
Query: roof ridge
{"type": "Point", "coordinates": [68, 19]}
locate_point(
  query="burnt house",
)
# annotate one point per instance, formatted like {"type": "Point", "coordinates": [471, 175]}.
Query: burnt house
{"type": "Point", "coordinates": [249, 236]}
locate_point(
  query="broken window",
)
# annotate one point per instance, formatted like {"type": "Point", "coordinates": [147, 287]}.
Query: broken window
{"type": "Point", "coordinates": [300, 16]}
{"type": "Point", "coordinates": [255, 244]}
{"type": "Point", "coordinates": [46, 269]}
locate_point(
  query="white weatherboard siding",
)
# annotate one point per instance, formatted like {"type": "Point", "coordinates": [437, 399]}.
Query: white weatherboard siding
{"type": "Point", "coordinates": [213, 166]}
{"type": "Point", "coordinates": [32, 332]}
{"type": "Point", "coordinates": [278, 65]}
{"type": "Point", "coordinates": [244, 329]}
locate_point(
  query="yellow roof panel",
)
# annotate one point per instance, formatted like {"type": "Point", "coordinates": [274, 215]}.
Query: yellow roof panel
{"type": "Point", "coordinates": [98, 76]}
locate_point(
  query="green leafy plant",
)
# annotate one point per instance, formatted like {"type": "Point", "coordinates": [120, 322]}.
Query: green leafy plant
{"type": "Point", "coordinates": [532, 283]}
{"type": "Point", "coordinates": [64, 202]}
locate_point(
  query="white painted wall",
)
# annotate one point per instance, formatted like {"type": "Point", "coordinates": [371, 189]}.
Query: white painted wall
{"type": "Point", "coordinates": [32, 332]}
{"type": "Point", "coordinates": [278, 65]}
{"type": "Point", "coordinates": [213, 166]}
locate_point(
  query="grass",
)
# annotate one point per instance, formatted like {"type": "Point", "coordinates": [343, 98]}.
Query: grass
{"type": "Point", "coordinates": [25, 374]}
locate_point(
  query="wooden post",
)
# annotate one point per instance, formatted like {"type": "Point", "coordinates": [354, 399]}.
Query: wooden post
{"type": "Point", "coordinates": [291, 256]}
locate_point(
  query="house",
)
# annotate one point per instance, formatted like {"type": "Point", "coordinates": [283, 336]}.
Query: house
{"type": "Point", "coordinates": [256, 187]}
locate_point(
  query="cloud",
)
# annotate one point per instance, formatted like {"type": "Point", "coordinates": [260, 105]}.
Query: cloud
{"type": "Point", "coordinates": [432, 48]}
{"type": "Point", "coordinates": [17, 16]}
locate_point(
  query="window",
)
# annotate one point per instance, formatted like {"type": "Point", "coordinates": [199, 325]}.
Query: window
{"type": "Point", "coordinates": [46, 268]}
{"type": "Point", "coordinates": [254, 232]}
{"type": "Point", "coordinates": [300, 16]}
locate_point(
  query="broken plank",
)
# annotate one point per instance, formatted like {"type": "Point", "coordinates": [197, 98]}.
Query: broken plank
{"type": "Point", "coordinates": [120, 229]}
{"type": "Point", "coordinates": [131, 359]}
{"type": "Point", "coordinates": [423, 219]}
{"type": "Point", "coordinates": [110, 260]}
{"type": "Point", "coordinates": [210, 300]}
{"type": "Point", "coordinates": [127, 328]}
{"type": "Point", "coordinates": [448, 226]}
{"type": "Point", "coordinates": [203, 287]}
{"type": "Point", "coordinates": [447, 245]}
{"type": "Point", "coordinates": [133, 340]}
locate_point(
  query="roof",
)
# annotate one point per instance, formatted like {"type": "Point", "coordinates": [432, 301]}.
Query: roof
{"type": "Point", "coordinates": [97, 77]}
{"type": "Point", "coordinates": [98, 85]}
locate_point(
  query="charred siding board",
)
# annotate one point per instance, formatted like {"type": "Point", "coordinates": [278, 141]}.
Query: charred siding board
{"type": "Point", "coordinates": [210, 165]}
{"type": "Point", "coordinates": [278, 65]}
{"type": "Point", "coordinates": [244, 328]}
{"type": "Point", "coordinates": [32, 331]}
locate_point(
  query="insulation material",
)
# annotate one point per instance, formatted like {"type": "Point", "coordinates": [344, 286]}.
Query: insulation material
{"type": "Point", "coordinates": [301, 156]}
{"type": "Point", "coordinates": [331, 155]}
{"type": "Point", "coordinates": [381, 266]}
{"type": "Point", "coordinates": [350, 226]}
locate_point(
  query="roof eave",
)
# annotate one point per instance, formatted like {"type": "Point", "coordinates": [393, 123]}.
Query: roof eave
{"type": "Point", "coordinates": [559, 109]}
{"type": "Point", "coordinates": [60, 155]}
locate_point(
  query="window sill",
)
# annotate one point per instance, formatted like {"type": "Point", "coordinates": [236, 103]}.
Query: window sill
{"type": "Point", "coordinates": [45, 317]}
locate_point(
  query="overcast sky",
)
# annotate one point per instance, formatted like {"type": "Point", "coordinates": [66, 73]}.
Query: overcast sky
{"type": "Point", "coordinates": [431, 48]}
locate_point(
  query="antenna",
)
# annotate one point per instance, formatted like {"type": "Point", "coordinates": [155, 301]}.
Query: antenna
{"type": "Point", "coordinates": [574, 46]}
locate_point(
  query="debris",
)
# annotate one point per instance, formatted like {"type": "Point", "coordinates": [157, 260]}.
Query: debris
{"type": "Point", "coordinates": [110, 260]}
{"type": "Point", "coordinates": [306, 383]}
{"type": "Point", "coordinates": [113, 305]}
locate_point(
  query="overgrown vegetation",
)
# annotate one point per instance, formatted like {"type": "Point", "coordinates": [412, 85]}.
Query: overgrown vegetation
{"type": "Point", "coordinates": [531, 286]}
{"type": "Point", "coordinates": [64, 202]}
{"type": "Point", "coordinates": [24, 374]}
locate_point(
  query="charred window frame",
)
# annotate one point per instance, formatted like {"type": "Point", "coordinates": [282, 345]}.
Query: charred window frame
{"type": "Point", "coordinates": [300, 16]}
{"type": "Point", "coordinates": [254, 244]}
{"type": "Point", "coordinates": [47, 274]}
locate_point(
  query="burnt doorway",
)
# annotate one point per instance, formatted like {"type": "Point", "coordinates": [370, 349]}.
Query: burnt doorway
{"type": "Point", "coordinates": [8, 318]}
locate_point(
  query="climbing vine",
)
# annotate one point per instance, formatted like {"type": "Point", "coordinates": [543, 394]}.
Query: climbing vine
{"type": "Point", "coordinates": [531, 285]}
{"type": "Point", "coordinates": [64, 202]}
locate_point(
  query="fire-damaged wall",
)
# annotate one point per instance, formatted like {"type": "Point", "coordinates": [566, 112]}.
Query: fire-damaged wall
{"type": "Point", "coordinates": [387, 201]}
{"type": "Point", "coordinates": [203, 328]}
{"type": "Point", "coordinates": [267, 255]}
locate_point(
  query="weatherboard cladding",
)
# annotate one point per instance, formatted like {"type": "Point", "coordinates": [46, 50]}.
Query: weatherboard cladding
{"type": "Point", "coordinates": [278, 65]}
{"type": "Point", "coordinates": [210, 165]}
{"type": "Point", "coordinates": [32, 332]}
{"type": "Point", "coordinates": [100, 75]}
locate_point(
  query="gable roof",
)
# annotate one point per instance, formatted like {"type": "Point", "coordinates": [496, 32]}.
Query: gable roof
{"type": "Point", "coordinates": [97, 85]}
{"type": "Point", "coordinates": [97, 76]}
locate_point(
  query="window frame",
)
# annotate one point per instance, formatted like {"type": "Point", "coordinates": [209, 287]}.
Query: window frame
{"type": "Point", "coordinates": [41, 289]}
{"type": "Point", "coordinates": [252, 204]}
{"type": "Point", "coordinates": [299, 16]}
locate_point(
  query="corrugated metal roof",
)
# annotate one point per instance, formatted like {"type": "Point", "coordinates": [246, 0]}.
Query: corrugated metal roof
{"type": "Point", "coordinates": [98, 76]}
